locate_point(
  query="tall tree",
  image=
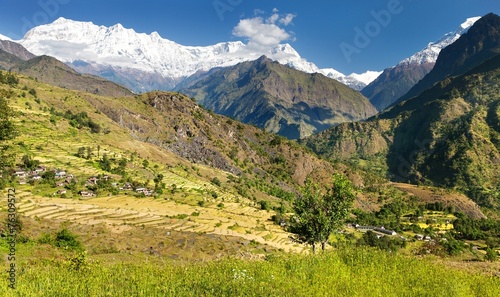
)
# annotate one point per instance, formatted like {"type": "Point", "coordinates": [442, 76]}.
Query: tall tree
{"type": "Point", "coordinates": [318, 213]}
{"type": "Point", "coordinates": [7, 131]}
{"type": "Point", "coordinates": [7, 127]}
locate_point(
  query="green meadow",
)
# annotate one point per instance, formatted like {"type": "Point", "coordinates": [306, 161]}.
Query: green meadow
{"type": "Point", "coordinates": [349, 272]}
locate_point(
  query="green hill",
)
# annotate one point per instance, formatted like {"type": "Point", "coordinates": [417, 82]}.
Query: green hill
{"type": "Point", "coordinates": [279, 99]}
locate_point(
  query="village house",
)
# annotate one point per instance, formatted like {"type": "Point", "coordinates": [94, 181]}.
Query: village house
{"type": "Point", "coordinates": [40, 169]}
{"type": "Point", "coordinates": [60, 174]}
{"type": "Point", "coordinates": [145, 191]}
{"type": "Point", "coordinates": [364, 228]}
{"type": "Point", "coordinates": [92, 180]}
{"type": "Point", "coordinates": [126, 187]}
{"type": "Point", "coordinates": [36, 177]}
{"type": "Point", "coordinates": [20, 173]}
{"type": "Point", "coordinates": [87, 194]}
{"type": "Point", "coordinates": [61, 192]}
{"type": "Point", "coordinates": [385, 231]}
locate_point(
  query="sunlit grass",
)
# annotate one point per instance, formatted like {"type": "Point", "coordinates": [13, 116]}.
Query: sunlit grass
{"type": "Point", "coordinates": [359, 272]}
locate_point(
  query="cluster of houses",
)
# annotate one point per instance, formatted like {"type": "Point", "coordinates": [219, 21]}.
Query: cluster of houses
{"type": "Point", "coordinates": [424, 237]}
{"type": "Point", "coordinates": [93, 180]}
{"type": "Point", "coordinates": [376, 229]}
{"type": "Point", "coordinates": [129, 187]}
{"type": "Point", "coordinates": [24, 176]}
{"type": "Point", "coordinates": [62, 179]}
{"type": "Point", "coordinates": [382, 230]}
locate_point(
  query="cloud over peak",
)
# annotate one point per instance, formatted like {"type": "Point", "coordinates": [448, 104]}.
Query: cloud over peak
{"type": "Point", "coordinates": [264, 32]}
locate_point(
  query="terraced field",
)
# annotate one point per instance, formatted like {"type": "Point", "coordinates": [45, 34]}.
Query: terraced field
{"type": "Point", "coordinates": [121, 213]}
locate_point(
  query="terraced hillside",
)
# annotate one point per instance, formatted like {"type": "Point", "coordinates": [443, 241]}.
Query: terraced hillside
{"type": "Point", "coordinates": [209, 173]}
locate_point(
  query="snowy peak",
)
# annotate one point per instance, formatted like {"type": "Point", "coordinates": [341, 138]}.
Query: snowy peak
{"type": "Point", "coordinates": [468, 23]}
{"type": "Point", "coordinates": [430, 53]}
{"type": "Point", "coordinates": [125, 50]}
{"type": "Point", "coordinates": [3, 37]}
{"type": "Point", "coordinates": [366, 77]}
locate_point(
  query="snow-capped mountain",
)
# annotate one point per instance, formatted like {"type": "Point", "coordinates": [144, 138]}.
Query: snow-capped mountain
{"type": "Point", "coordinates": [431, 52]}
{"type": "Point", "coordinates": [395, 81]}
{"type": "Point", "coordinates": [147, 61]}
{"type": "Point", "coordinates": [353, 80]}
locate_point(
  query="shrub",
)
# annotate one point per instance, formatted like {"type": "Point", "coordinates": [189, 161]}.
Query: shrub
{"type": "Point", "coordinates": [264, 205]}
{"type": "Point", "coordinates": [45, 239]}
{"type": "Point", "coordinates": [67, 240]}
{"type": "Point", "coordinates": [79, 262]}
{"type": "Point", "coordinates": [216, 181]}
{"type": "Point", "coordinates": [491, 255]}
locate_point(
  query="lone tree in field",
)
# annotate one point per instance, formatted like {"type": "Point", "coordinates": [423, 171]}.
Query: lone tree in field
{"type": "Point", "coordinates": [319, 213]}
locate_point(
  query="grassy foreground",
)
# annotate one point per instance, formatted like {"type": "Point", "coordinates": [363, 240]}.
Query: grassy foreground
{"type": "Point", "coordinates": [355, 272]}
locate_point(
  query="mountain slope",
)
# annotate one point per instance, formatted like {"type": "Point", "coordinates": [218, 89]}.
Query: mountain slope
{"type": "Point", "coordinates": [8, 60]}
{"type": "Point", "coordinates": [197, 162]}
{"type": "Point", "coordinates": [396, 81]}
{"type": "Point", "coordinates": [448, 135]}
{"type": "Point", "coordinates": [16, 49]}
{"type": "Point", "coordinates": [52, 71]}
{"type": "Point", "coordinates": [279, 99]}
{"type": "Point", "coordinates": [481, 42]}
{"type": "Point", "coordinates": [145, 62]}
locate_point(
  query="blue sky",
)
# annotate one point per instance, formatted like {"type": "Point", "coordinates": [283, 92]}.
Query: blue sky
{"type": "Point", "coordinates": [326, 32]}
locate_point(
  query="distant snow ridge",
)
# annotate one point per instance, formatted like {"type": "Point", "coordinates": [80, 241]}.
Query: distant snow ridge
{"type": "Point", "coordinates": [128, 51]}
{"type": "Point", "coordinates": [430, 53]}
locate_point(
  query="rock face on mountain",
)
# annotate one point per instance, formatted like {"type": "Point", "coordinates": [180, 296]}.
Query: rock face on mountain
{"type": "Point", "coordinates": [448, 135]}
{"type": "Point", "coordinates": [279, 99]}
{"type": "Point", "coordinates": [396, 81]}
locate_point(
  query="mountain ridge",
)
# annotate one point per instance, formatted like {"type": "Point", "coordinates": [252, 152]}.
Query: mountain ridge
{"type": "Point", "coordinates": [101, 47]}
{"type": "Point", "coordinates": [456, 60]}
{"type": "Point", "coordinates": [396, 81]}
{"type": "Point", "coordinates": [279, 99]}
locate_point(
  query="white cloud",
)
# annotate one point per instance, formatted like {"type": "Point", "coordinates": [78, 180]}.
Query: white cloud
{"type": "Point", "coordinates": [258, 11]}
{"type": "Point", "coordinates": [264, 33]}
{"type": "Point", "coordinates": [272, 19]}
{"type": "Point", "coordinates": [286, 20]}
